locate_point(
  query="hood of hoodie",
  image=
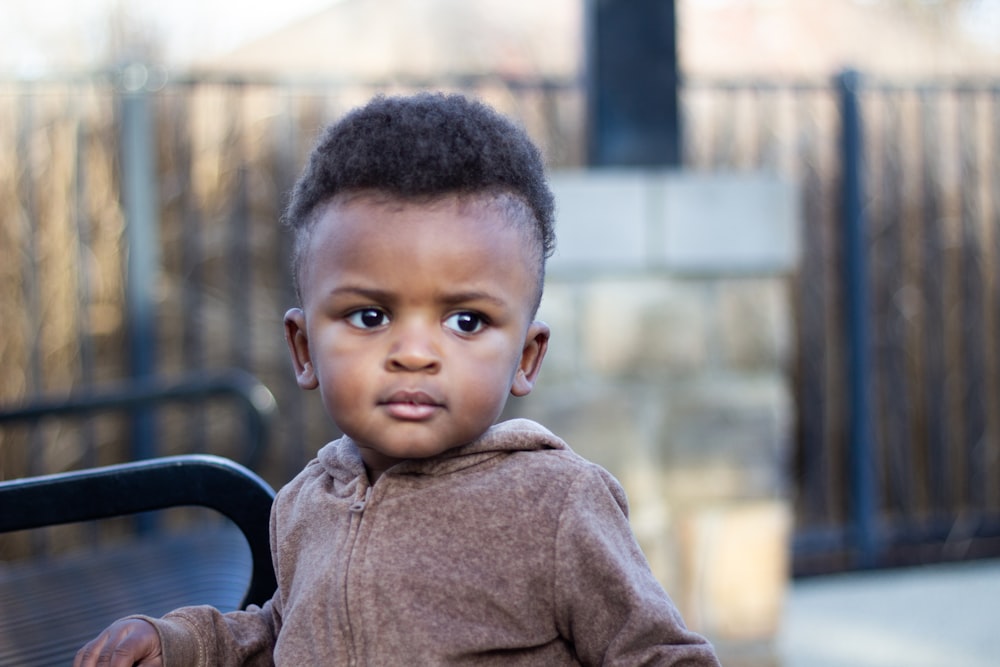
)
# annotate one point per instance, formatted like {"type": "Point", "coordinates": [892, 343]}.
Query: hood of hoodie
{"type": "Point", "coordinates": [341, 459]}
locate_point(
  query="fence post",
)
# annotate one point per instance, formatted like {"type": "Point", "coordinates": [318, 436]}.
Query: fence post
{"type": "Point", "coordinates": [137, 141]}
{"type": "Point", "coordinates": [633, 114]}
{"type": "Point", "coordinates": [857, 315]}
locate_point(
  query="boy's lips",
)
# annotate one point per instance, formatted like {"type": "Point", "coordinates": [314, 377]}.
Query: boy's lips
{"type": "Point", "coordinates": [411, 405]}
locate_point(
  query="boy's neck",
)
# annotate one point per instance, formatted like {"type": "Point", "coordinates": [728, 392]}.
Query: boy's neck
{"type": "Point", "coordinates": [373, 473]}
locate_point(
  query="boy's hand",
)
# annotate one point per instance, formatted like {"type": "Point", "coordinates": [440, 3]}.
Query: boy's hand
{"type": "Point", "coordinates": [123, 644]}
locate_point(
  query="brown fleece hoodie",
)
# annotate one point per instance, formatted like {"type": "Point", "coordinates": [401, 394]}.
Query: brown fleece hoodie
{"type": "Point", "coordinates": [511, 550]}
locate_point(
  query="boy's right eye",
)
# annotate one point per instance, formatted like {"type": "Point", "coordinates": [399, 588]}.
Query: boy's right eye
{"type": "Point", "coordinates": [367, 318]}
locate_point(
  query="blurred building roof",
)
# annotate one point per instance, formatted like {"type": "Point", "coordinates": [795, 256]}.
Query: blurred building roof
{"type": "Point", "coordinates": [384, 38]}
{"type": "Point", "coordinates": [816, 37]}
{"type": "Point", "coordinates": [379, 38]}
{"type": "Point", "coordinates": [389, 38]}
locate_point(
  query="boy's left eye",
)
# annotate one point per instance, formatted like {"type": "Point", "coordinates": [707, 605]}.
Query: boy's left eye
{"type": "Point", "coordinates": [466, 323]}
{"type": "Point", "coordinates": [367, 318]}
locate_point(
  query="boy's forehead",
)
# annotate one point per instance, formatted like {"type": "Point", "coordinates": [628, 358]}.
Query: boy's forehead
{"type": "Point", "coordinates": [367, 212]}
{"type": "Point", "coordinates": [466, 201]}
{"type": "Point", "coordinates": [359, 219]}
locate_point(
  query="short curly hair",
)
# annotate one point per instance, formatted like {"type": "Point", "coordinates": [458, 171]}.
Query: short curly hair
{"type": "Point", "coordinates": [423, 146]}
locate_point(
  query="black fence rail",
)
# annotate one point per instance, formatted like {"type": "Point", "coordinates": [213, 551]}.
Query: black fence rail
{"type": "Point", "coordinates": [896, 300]}
{"type": "Point", "coordinates": [140, 399]}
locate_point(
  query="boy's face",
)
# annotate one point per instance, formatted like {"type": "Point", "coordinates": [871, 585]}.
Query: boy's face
{"type": "Point", "coordinates": [416, 321]}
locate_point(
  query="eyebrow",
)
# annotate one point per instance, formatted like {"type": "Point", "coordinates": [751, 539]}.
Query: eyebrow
{"type": "Point", "coordinates": [449, 298]}
{"type": "Point", "coordinates": [472, 295]}
{"type": "Point", "coordinates": [365, 292]}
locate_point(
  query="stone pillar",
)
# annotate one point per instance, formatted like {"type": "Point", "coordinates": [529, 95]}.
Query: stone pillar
{"type": "Point", "coordinates": [670, 306]}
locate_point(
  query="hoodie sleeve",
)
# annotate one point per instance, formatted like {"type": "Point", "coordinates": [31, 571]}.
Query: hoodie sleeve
{"type": "Point", "coordinates": [609, 605]}
{"type": "Point", "coordinates": [202, 636]}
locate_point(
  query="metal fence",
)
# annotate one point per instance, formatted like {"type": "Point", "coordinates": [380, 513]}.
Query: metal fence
{"type": "Point", "coordinates": [927, 487]}
{"type": "Point", "coordinates": [898, 453]}
{"type": "Point", "coordinates": [897, 449]}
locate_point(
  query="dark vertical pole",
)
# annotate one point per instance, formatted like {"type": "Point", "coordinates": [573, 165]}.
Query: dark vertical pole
{"type": "Point", "coordinates": [632, 80]}
{"type": "Point", "coordinates": [857, 320]}
{"type": "Point", "coordinates": [139, 197]}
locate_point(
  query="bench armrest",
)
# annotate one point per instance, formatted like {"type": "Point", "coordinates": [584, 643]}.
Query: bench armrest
{"type": "Point", "coordinates": [129, 488]}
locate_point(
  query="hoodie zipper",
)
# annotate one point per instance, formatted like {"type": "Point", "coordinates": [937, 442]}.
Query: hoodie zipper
{"type": "Point", "coordinates": [359, 506]}
{"type": "Point", "coordinates": [357, 509]}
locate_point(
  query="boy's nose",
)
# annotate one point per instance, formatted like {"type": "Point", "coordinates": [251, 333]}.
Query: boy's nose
{"type": "Point", "coordinates": [413, 350]}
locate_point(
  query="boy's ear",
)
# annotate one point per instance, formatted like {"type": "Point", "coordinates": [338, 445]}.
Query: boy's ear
{"type": "Point", "coordinates": [298, 346]}
{"type": "Point", "coordinates": [535, 345]}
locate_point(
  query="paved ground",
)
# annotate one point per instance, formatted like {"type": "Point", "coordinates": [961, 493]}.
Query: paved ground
{"type": "Point", "coordinates": [935, 616]}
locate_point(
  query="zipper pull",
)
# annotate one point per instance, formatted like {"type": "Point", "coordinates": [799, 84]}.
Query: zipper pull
{"type": "Point", "coordinates": [359, 506]}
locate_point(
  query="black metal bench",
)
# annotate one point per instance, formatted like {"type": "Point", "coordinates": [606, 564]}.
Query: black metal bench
{"type": "Point", "coordinates": [49, 608]}
{"type": "Point", "coordinates": [50, 605]}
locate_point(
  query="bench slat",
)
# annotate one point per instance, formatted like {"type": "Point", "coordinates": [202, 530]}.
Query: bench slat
{"type": "Point", "coordinates": [49, 609]}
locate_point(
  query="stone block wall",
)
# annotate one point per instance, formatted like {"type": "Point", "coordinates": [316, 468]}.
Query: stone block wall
{"type": "Point", "coordinates": [670, 307]}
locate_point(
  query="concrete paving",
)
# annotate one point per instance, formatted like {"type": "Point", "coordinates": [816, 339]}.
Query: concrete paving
{"type": "Point", "coordinates": [932, 616]}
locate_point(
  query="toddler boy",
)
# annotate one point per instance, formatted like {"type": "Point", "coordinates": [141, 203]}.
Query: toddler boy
{"type": "Point", "coordinates": [429, 534]}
